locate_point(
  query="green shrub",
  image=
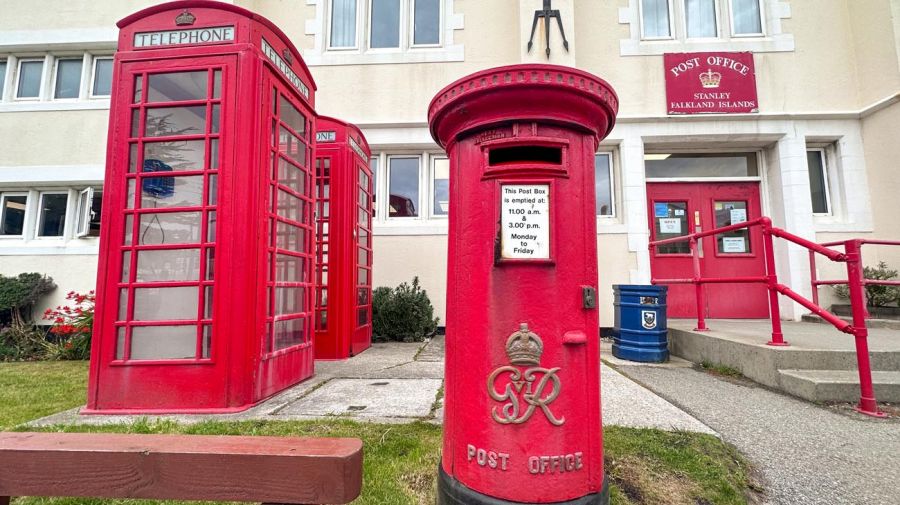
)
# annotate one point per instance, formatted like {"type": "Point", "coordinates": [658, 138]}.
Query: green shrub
{"type": "Point", "coordinates": [404, 313]}
{"type": "Point", "coordinates": [22, 343]}
{"type": "Point", "coordinates": [876, 296]}
{"type": "Point", "coordinates": [19, 294]}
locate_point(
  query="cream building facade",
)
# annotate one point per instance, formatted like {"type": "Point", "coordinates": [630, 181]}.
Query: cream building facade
{"type": "Point", "coordinates": [822, 146]}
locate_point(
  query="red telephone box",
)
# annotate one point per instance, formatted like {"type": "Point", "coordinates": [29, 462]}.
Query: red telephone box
{"type": "Point", "coordinates": [205, 297]}
{"type": "Point", "coordinates": [522, 419]}
{"type": "Point", "coordinates": [344, 240]}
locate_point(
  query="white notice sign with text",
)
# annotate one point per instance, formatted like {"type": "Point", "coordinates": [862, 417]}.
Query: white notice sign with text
{"type": "Point", "coordinates": [525, 221]}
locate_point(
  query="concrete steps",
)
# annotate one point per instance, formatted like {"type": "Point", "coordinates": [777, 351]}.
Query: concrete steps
{"type": "Point", "coordinates": [892, 324]}
{"type": "Point", "coordinates": [838, 385]}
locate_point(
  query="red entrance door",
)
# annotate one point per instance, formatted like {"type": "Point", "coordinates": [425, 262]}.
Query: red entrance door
{"type": "Point", "coordinates": [677, 209]}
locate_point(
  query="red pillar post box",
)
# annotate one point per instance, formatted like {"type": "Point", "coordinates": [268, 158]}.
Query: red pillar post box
{"type": "Point", "coordinates": [205, 291]}
{"type": "Point", "coordinates": [522, 419]}
{"type": "Point", "coordinates": [344, 240]}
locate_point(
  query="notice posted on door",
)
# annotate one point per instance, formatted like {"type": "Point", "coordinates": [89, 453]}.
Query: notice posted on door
{"type": "Point", "coordinates": [525, 221]}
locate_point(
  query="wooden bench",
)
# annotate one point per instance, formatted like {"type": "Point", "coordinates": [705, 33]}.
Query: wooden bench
{"type": "Point", "coordinates": [181, 467]}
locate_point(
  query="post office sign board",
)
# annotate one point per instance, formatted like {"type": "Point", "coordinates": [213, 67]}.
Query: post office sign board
{"type": "Point", "coordinates": [710, 83]}
{"type": "Point", "coordinates": [525, 221]}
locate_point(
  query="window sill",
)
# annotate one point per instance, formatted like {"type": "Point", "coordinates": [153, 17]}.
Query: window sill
{"type": "Point", "coordinates": [382, 57]}
{"type": "Point", "coordinates": [774, 44]}
{"type": "Point", "coordinates": [832, 224]}
{"type": "Point", "coordinates": [93, 104]}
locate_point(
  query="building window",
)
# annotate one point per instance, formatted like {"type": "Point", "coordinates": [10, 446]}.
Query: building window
{"type": "Point", "coordinates": [29, 79]}
{"type": "Point", "coordinates": [67, 83]}
{"type": "Point", "coordinates": [700, 19]}
{"type": "Point", "coordinates": [603, 185]}
{"type": "Point", "coordinates": [12, 213]}
{"type": "Point", "coordinates": [101, 81]}
{"type": "Point", "coordinates": [373, 165]}
{"type": "Point", "coordinates": [52, 214]}
{"type": "Point", "coordinates": [343, 24]}
{"type": "Point", "coordinates": [655, 20]}
{"type": "Point", "coordinates": [403, 186]}
{"type": "Point", "coordinates": [818, 181]}
{"type": "Point", "coordinates": [426, 22]}
{"type": "Point", "coordinates": [440, 186]}
{"type": "Point", "coordinates": [746, 18]}
{"type": "Point", "coordinates": [88, 213]}
{"type": "Point", "coordinates": [384, 24]}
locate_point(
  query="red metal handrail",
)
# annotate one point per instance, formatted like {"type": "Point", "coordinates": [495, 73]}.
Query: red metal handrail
{"type": "Point", "coordinates": [855, 280]}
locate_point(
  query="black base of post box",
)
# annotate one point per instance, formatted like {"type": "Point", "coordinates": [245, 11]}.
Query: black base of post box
{"type": "Point", "coordinates": [453, 492]}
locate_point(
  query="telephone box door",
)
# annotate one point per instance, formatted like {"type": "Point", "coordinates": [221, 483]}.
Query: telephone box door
{"type": "Point", "coordinates": [287, 265]}
{"type": "Point", "coordinates": [362, 333]}
{"type": "Point", "coordinates": [163, 210]}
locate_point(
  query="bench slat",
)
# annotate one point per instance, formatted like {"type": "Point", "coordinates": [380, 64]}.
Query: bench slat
{"type": "Point", "coordinates": [185, 467]}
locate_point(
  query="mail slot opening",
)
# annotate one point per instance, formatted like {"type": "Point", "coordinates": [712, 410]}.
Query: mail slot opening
{"type": "Point", "coordinates": [525, 154]}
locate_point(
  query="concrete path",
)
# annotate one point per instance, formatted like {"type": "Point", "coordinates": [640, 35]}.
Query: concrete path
{"type": "Point", "coordinates": [807, 454]}
{"type": "Point", "coordinates": [399, 383]}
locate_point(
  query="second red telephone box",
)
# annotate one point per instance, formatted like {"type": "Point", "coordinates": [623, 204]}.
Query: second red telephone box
{"type": "Point", "coordinates": [344, 239]}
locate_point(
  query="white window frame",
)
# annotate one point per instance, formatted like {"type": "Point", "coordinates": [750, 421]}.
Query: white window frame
{"type": "Point", "coordinates": [5, 61]}
{"type": "Point", "coordinates": [762, 21]}
{"type": "Point", "coordinates": [40, 212]}
{"type": "Point", "coordinates": [640, 4]}
{"type": "Point", "coordinates": [83, 212]}
{"type": "Point", "coordinates": [826, 181]}
{"type": "Point", "coordinates": [412, 26]}
{"type": "Point", "coordinates": [432, 158]}
{"type": "Point", "coordinates": [612, 186]}
{"type": "Point", "coordinates": [55, 74]}
{"type": "Point", "coordinates": [387, 192]}
{"type": "Point", "coordinates": [684, 28]}
{"type": "Point", "coordinates": [93, 77]}
{"type": "Point", "coordinates": [18, 80]}
{"type": "Point", "coordinates": [3, 196]}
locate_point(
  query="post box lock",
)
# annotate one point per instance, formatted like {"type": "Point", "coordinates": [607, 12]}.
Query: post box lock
{"type": "Point", "coordinates": [588, 297]}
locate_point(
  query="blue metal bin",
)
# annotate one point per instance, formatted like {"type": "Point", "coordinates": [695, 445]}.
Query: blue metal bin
{"type": "Point", "coordinates": [640, 333]}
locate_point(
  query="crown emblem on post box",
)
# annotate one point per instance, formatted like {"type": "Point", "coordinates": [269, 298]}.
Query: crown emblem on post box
{"type": "Point", "coordinates": [524, 347]}
{"type": "Point", "coordinates": [185, 18]}
{"type": "Point", "coordinates": [710, 79]}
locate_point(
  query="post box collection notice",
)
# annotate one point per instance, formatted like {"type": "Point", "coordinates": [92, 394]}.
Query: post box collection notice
{"type": "Point", "coordinates": [525, 221]}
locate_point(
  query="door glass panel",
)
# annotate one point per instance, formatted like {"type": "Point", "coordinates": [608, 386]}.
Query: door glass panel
{"type": "Point", "coordinates": [670, 220]}
{"type": "Point", "coordinates": [170, 228]}
{"type": "Point", "coordinates": [168, 265]}
{"type": "Point", "coordinates": [159, 192]}
{"type": "Point", "coordinates": [290, 333]}
{"type": "Point", "coordinates": [292, 117]}
{"type": "Point", "coordinates": [168, 156]}
{"type": "Point", "coordinates": [163, 304]}
{"type": "Point", "coordinates": [166, 121]}
{"type": "Point", "coordinates": [177, 86]}
{"type": "Point", "coordinates": [163, 342]}
{"type": "Point", "coordinates": [727, 214]}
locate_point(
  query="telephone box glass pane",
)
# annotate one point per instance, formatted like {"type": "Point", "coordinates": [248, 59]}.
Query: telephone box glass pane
{"type": "Point", "coordinates": [291, 146]}
{"type": "Point", "coordinates": [163, 304]}
{"type": "Point", "coordinates": [385, 23]}
{"type": "Point", "coordinates": [288, 300]}
{"type": "Point", "coordinates": [291, 176]}
{"type": "Point", "coordinates": [289, 206]}
{"type": "Point", "coordinates": [289, 333]}
{"type": "Point", "coordinates": [292, 117]}
{"type": "Point", "coordinates": [289, 268]}
{"type": "Point", "coordinates": [669, 221]}
{"type": "Point", "coordinates": [289, 237]}
{"type": "Point", "coordinates": [427, 22]}
{"type": "Point", "coordinates": [177, 86]}
{"type": "Point", "coordinates": [68, 78]}
{"type": "Point", "coordinates": [163, 342]}
{"type": "Point", "coordinates": [169, 228]}
{"type": "Point", "coordinates": [168, 265]}
{"type": "Point", "coordinates": [727, 214]}
{"type": "Point", "coordinates": [169, 156]}
{"type": "Point", "coordinates": [168, 121]}
{"type": "Point", "coordinates": [165, 191]}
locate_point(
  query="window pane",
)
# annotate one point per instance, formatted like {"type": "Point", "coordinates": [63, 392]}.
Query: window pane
{"type": "Point", "coordinates": [817, 181]}
{"type": "Point", "coordinates": [83, 213]}
{"type": "Point", "coordinates": [385, 23]}
{"type": "Point", "coordinates": [427, 22]}
{"type": "Point", "coordinates": [177, 86]}
{"type": "Point", "coordinates": [289, 206]}
{"type": "Point", "coordinates": [670, 220]}
{"type": "Point", "coordinates": [168, 156]}
{"type": "Point", "coordinates": [373, 164]}
{"type": "Point", "coordinates": [158, 192]}
{"type": "Point", "coordinates": [52, 215]}
{"type": "Point", "coordinates": [343, 23]}
{"type": "Point", "coordinates": [168, 265]}
{"type": "Point", "coordinates": [655, 18]}
{"type": "Point", "coordinates": [403, 187]}
{"type": "Point", "coordinates": [175, 121]}
{"type": "Point", "coordinates": [102, 77]}
{"type": "Point", "coordinates": [441, 184]}
{"type": "Point", "coordinates": [745, 15]}
{"type": "Point", "coordinates": [700, 18]}
{"type": "Point", "coordinates": [290, 145]}
{"type": "Point", "coordinates": [2, 77]}
{"type": "Point", "coordinates": [290, 333]}
{"type": "Point", "coordinates": [30, 79]}
{"type": "Point", "coordinates": [289, 268]}
{"type": "Point", "coordinates": [164, 342]}
{"type": "Point", "coordinates": [603, 185]}
{"type": "Point", "coordinates": [736, 241]}
{"type": "Point", "coordinates": [12, 215]}
{"type": "Point", "coordinates": [291, 176]}
{"type": "Point", "coordinates": [68, 78]}
{"type": "Point", "coordinates": [701, 165]}
{"type": "Point", "coordinates": [290, 237]}
{"type": "Point", "coordinates": [164, 304]}
{"type": "Point", "coordinates": [291, 116]}
{"type": "Point", "coordinates": [94, 222]}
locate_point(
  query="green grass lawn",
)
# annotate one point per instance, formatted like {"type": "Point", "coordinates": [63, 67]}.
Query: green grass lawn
{"type": "Point", "coordinates": [645, 466]}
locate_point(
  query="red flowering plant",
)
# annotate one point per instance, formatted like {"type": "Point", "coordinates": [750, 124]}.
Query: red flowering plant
{"type": "Point", "coordinates": [72, 325]}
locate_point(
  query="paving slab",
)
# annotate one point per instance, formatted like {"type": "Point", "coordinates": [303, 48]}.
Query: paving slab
{"type": "Point", "coordinates": [410, 398]}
